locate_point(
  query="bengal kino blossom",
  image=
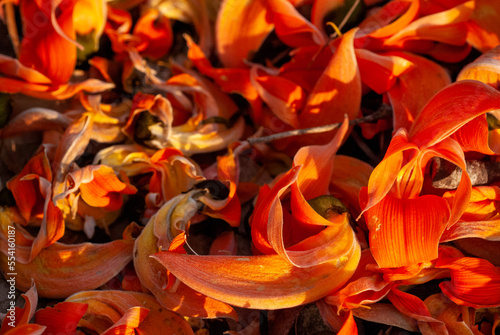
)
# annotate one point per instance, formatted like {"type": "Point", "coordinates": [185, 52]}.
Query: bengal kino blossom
{"type": "Point", "coordinates": [11, 311]}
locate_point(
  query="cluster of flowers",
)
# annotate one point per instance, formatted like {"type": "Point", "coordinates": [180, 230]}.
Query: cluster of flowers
{"type": "Point", "coordinates": [170, 131]}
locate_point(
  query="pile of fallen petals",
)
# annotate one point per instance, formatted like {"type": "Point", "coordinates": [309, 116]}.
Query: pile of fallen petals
{"type": "Point", "coordinates": [143, 192]}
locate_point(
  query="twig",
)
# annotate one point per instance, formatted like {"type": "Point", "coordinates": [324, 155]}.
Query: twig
{"type": "Point", "coordinates": [382, 113]}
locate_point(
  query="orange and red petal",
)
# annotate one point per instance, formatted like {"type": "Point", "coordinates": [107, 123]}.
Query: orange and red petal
{"type": "Point", "coordinates": [475, 282]}
{"type": "Point", "coordinates": [395, 223]}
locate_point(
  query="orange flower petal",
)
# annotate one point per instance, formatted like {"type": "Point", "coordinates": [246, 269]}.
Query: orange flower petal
{"type": "Point", "coordinates": [20, 316]}
{"type": "Point", "coordinates": [392, 237]}
{"type": "Point", "coordinates": [233, 80]}
{"type": "Point", "coordinates": [433, 123]}
{"type": "Point", "coordinates": [104, 189]}
{"type": "Point", "coordinates": [27, 329]}
{"type": "Point", "coordinates": [408, 96]}
{"type": "Point", "coordinates": [62, 318]}
{"type": "Point", "coordinates": [473, 136]}
{"type": "Point", "coordinates": [113, 308]}
{"type": "Point", "coordinates": [45, 38]}
{"type": "Point", "coordinates": [475, 282]}
{"type": "Point", "coordinates": [155, 33]}
{"type": "Point", "coordinates": [446, 27]}
{"type": "Point", "coordinates": [263, 282]}
{"type": "Point", "coordinates": [349, 326]}
{"type": "Point", "coordinates": [35, 119]}
{"type": "Point", "coordinates": [236, 45]}
{"type": "Point", "coordinates": [485, 68]}
{"type": "Point", "coordinates": [415, 308]}
{"type": "Point", "coordinates": [327, 103]}
{"type": "Point", "coordinates": [27, 192]}
{"type": "Point", "coordinates": [484, 32]}
{"type": "Point", "coordinates": [291, 27]}
{"type": "Point", "coordinates": [284, 98]}
{"type": "Point", "coordinates": [153, 276]}
{"type": "Point", "coordinates": [53, 270]}
{"type": "Point", "coordinates": [12, 67]}
{"type": "Point", "coordinates": [128, 322]}
{"type": "Point", "coordinates": [381, 71]}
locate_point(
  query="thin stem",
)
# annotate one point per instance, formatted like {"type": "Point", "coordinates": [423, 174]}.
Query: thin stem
{"type": "Point", "coordinates": [346, 18]}
{"type": "Point", "coordinates": [382, 113]}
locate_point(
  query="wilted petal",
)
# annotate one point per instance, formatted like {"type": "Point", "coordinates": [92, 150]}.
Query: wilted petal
{"type": "Point", "coordinates": [208, 138]}
{"type": "Point", "coordinates": [195, 12]}
{"type": "Point", "coordinates": [475, 282]}
{"type": "Point", "coordinates": [53, 270]}
{"type": "Point", "coordinates": [35, 119]}
{"type": "Point", "coordinates": [386, 314]}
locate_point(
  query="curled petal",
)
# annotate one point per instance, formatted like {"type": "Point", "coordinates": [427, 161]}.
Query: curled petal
{"type": "Point", "coordinates": [380, 71]}
{"type": "Point", "coordinates": [128, 322]}
{"type": "Point", "coordinates": [468, 99]}
{"type": "Point", "coordinates": [446, 27]}
{"type": "Point", "coordinates": [263, 282]}
{"type": "Point", "coordinates": [46, 37]}
{"type": "Point", "coordinates": [485, 68]}
{"type": "Point", "coordinates": [316, 164]}
{"type": "Point", "coordinates": [153, 276]}
{"type": "Point", "coordinates": [284, 97]}
{"type": "Point", "coordinates": [475, 282]}
{"type": "Point", "coordinates": [291, 27]}
{"type": "Point", "coordinates": [408, 96]}
{"type": "Point", "coordinates": [104, 189]}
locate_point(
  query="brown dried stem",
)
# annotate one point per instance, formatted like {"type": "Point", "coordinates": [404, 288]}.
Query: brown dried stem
{"type": "Point", "coordinates": [383, 112]}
